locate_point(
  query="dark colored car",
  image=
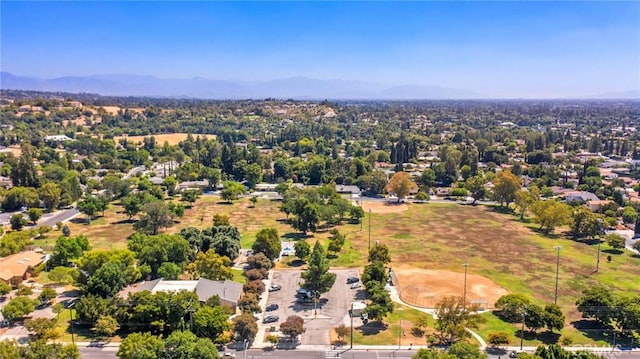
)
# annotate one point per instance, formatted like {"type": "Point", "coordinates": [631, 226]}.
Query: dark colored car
{"type": "Point", "coordinates": [352, 280]}
{"type": "Point", "coordinates": [272, 307]}
{"type": "Point", "coordinates": [271, 319]}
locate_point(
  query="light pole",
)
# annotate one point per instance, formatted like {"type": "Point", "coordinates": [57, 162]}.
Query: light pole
{"type": "Point", "coordinates": [351, 315]}
{"type": "Point", "coordinates": [464, 291]}
{"type": "Point", "coordinates": [400, 334]}
{"type": "Point", "coordinates": [73, 338]}
{"type": "Point", "coordinates": [524, 314]}
{"type": "Point", "coordinates": [557, 248]}
{"type": "Point", "coordinates": [246, 345]}
{"type": "Point", "coordinates": [369, 228]}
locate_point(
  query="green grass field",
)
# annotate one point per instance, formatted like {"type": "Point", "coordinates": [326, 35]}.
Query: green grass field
{"type": "Point", "coordinates": [431, 236]}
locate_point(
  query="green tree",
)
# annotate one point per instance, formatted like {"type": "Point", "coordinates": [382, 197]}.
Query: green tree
{"type": "Point", "coordinates": [317, 278]}
{"type": "Point", "coordinates": [615, 241]}
{"type": "Point", "coordinates": [185, 345]}
{"type": "Point", "coordinates": [210, 265]}
{"type": "Point", "coordinates": [153, 251]}
{"type": "Point", "coordinates": [293, 326]}
{"type": "Point", "coordinates": [42, 328]}
{"type": "Point", "coordinates": [475, 185]}
{"type": "Point", "coordinates": [341, 331]}
{"type": "Point", "coordinates": [211, 322]}
{"type": "Point", "coordinates": [50, 194]}
{"type": "Point", "coordinates": [132, 205]}
{"type": "Point", "coordinates": [432, 354]}
{"type": "Point", "coordinates": [585, 223]}
{"type": "Point", "coordinates": [303, 250]}
{"type": "Point", "coordinates": [496, 339]}
{"type": "Point", "coordinates": [511, 306]}
{"type": "Point", "coordinates": [4, 289]}
{"type": "Point", "coordinates": [68, 249]}
{"type": "Point", "coordinates": [253, 175]}
{"type": "Point", "coordinates": [453, 316]}
{"type": "Point", "coordinates": [553, 317]}
{"type": "Point", "coordinates": [550, 214]}
{"type": "Point", "coordinates": [169, 271]}
{"type": "Point", "coordinates": [17, 222]}
{"type": "Point", "coordinates": [379, 252]}
{"type": "Point", "coordinates": [106, 281]}
{"type": "Point", "coordinates": [253, 200]}
{"type": "Point", "coordinates": [47, 295]}
{"type": "Point", "coordinates": [598, 303]}
{"type": "Point", "coordinates": [156, 215]}
{"type": "Point", "coordinates": [525, 198]}
{"type": "Point", "coordinates": [268, 242]}
{"type": "Point", "coordinates": [190, 195]}
{"type": "Point", "coordinates": [141, 346]}
{"type": "Point", "coordinates": [245, 327]}
{"type": "Point", "coordinates": [66, 231]}
{"type": "Point", "coordinates": [34, 214]}
{"type": "Point", "coordinates": [106, 326]}
{"type": "Point", "coordinates": [223, 239]}
{"type": "Point", "coordinates": [505, 187]}
{"type": "Point", "coordinates": [89, 207]}
{"type": "Point", "coordinates": [18, 307]}
{"type": "Point", "coordinates": [231, 190]}
{"type": "Point", "coordinates": [401, 185]}
{"type": "Point", "coordinates": [63, 275]}
{"type": "Point", "coordinates": [462, 350]}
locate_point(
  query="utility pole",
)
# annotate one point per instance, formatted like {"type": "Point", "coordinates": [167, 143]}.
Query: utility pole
{"type": "Point", "coordinates": [600, 232]}
{"type": "Point", "coordinates": [190, 311]}
{"type": "Point", "coordinates": [369, 228]}
{"type": "Point", "coordinates": [400, 334]}
{"type": "Point", "coordinates": [464, 292]}
{"type": "Point", "coordinates": [73, 338]}
{"type": "Point", "coordinates": [351, 346]}
{"type": "Point", "coordinates": [557, 248]}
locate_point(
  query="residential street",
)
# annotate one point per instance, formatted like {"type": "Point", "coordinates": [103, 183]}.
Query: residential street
{"type": "Point", "coordinates": [51, 219]}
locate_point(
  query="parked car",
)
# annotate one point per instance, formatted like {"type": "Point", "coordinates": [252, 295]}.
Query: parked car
{"type": "Point", "coordinates": [272, 307]}
{"type": "Point", "coordinates": [228, 356]}
{"type": "Point", "coordinates": [275, 287]}
{"type": "Point", "coordinates": [271, 319]}
{"type": "Point", "coordinates": [356, 285]}
{"type": "Point", "coordinates": [352, 280]}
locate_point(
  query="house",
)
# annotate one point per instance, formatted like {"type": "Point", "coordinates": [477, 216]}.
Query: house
{"type": "Point", "coordinates": [18, 267]}
{"type": "Point", "coordinates": [202, 184]}
{"type": "Point", "coordinates": [228, 291]}
{"type": "Point", "coordinates": [580, 196]}
{"type": "Point", "coordinates": [58, 138]}
{"type": "Point", "coordinates": [595, 206]}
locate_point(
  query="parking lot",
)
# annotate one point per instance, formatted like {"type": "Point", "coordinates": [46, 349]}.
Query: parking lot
{"type": "Point", "coordinates": [332, 309]}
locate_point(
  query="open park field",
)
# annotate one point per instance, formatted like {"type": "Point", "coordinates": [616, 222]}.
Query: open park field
{"type": "Point", "coordinates": [171, 138]}
{"type": "Point", "coordinates": [428, 244]}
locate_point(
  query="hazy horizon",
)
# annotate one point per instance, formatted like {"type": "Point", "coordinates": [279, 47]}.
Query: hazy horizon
{"type": "Point", "coordinates": [495, 49]}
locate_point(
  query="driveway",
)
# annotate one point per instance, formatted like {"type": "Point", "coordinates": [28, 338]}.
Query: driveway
{"type": "Point", "coordinates": [331, 311]}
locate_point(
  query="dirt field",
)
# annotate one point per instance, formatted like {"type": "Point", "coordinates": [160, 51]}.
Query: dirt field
{"type": "Point", "coordinates": [424, 287]}
{"type": "Point", "coordinates": [171, 138]}
{"type": "Point", "coordinates": [383, 207]}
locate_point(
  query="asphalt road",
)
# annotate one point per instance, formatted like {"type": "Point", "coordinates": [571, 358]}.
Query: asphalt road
{"type": "Point", "coordinates": [59, 216]}
{"type": "Point", "coordinates": [110, 353]}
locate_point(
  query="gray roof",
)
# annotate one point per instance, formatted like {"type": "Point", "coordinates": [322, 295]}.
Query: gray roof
{"type": "Point", "coordinates": [347, 189]}
{"type": "Point", "coordinates": [227, 290]}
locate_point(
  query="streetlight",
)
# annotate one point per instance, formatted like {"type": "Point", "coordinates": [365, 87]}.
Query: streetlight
{"type": "Point", "coordinates": [351, 315]}
{"type": "Point", "coordinates": [557, 248]}
{"type": "Point", "coordinates": [246, 346]}
{"type": "Point", "coordinates": [464, 292]}
{"type": "Point", "coordinates": [73, 338]}
{"type": "Point", "coordinates": [524, 314]}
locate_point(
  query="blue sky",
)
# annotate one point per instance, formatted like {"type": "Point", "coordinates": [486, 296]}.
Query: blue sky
{"type": "Point", "coordinates": [501, 49]}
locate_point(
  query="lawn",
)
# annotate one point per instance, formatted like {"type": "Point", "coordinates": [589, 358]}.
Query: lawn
{"type": "Point", "coordinates": [393, 332]}
{"type": "Point", "coordinates": [431, 236]}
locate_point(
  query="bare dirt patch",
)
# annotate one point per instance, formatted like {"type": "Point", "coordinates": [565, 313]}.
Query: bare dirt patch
{"type": "Point", "coordinates": [171, 138]}
{"type": "Point", "coordinates": [383, 207]}
{"type": "Point", "coordinates": [425, 287]}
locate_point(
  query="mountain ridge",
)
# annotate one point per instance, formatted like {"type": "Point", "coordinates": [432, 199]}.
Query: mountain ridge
{"type": "Point", "coordinates": [199, 87]}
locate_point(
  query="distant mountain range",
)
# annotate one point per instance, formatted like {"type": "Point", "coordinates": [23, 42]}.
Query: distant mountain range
{"type": "Point", "coordinates": [197, 87]}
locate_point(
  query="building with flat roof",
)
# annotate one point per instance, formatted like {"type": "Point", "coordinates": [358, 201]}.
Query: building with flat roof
{"type": "Point", "coordinates": [228, 291]}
